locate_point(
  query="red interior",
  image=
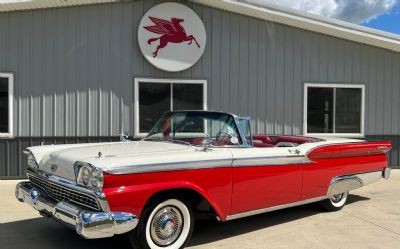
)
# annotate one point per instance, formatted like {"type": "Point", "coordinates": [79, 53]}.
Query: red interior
{"type": "Point", "coordinates": [261, 141]}
{"type": "Point", "coordinates": [272, 140]}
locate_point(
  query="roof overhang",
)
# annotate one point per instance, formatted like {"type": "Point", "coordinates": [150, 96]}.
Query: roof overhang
{"type": "Point", "coordinates": [268, 12]}
{"type": "Point", "coordinates": [15, 5]}
{"type": "Point", "coordinates": [311, 22]}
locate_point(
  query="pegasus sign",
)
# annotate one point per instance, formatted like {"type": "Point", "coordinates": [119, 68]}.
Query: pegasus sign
{"type": "Point", "coordinates": [172, 37]}
{"type": "Point", "coordinates": [171, 32]}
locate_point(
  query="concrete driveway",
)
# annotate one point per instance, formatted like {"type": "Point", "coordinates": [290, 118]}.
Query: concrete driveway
{"type": "Point", "coordinates": [371, 220]}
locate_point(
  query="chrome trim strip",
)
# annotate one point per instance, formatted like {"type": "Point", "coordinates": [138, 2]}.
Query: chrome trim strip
{"type": "Point", "coordinates": [162, 167]}
{"type": "Point", "coordinates": [208, 164]}
{"type": "Point", "coordinates": [274, 208]}
{"type": "Point", "coordinates": [269, 161]}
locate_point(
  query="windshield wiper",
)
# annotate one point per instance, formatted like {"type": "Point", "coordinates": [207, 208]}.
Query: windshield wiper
{"type": "Point", "coordinates": [179, 141]}
{"type": "Point", "coordinates": [151, 139]}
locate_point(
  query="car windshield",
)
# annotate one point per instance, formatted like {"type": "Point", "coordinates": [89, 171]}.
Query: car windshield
{"type": "Point", "coordinates": [194, 128]}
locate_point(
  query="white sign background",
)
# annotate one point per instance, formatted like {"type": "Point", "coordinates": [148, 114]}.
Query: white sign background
{"type": "Point", "coordinates": [174, 57]}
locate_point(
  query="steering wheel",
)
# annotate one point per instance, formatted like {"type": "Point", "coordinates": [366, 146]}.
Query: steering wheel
{"type": "Point", "coordinates": [220, 138]}
{"type": "Point", "coordinates": [223, 132]}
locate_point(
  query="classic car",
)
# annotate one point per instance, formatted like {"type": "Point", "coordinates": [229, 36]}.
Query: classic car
{"type": "Point", "coordinates": [192, 162]}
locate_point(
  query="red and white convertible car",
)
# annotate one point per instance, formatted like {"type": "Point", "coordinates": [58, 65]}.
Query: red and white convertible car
{"type": "Point", "coordinates": [192, 161]}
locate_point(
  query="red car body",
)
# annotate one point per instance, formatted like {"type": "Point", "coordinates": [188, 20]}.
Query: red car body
{"type": "Point", "coordinates": [233, 190]}
{"type": "Point", "coordinates": [110, 188]}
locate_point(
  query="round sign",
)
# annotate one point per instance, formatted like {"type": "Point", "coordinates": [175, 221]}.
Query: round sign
{"type": "Point", "coordinates": [172, 37]}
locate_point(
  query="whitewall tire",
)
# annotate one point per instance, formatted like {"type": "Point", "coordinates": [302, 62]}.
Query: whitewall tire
{"type": "Point", "coordinates": [335, 202]}
{"type": "Point", "coordinates": [167, 224]}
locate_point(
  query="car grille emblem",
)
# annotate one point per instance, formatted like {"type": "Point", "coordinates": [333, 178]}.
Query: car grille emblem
{"type": "Point", "coordinates": [53, 168]}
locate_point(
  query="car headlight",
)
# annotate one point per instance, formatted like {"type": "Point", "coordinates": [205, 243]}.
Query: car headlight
{"type": "Point", "coordinates": [32, 161]}
{"type": "Point", "coordinates": [89, 176]}
{"type": "Point", "coordinates": [85, 175]}
{"type": "Point", "coordinates": [97, 178]}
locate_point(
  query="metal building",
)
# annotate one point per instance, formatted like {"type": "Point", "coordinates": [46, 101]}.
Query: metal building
{"type": "Point", "coordinates": [73, 71]}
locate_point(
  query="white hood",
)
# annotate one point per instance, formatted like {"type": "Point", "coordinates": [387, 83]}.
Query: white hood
{"type": "Point", "coordinates": [115, 154]}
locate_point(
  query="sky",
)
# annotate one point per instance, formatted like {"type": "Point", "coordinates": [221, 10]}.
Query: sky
{"type": "Point", "coordinates": [379, 14]}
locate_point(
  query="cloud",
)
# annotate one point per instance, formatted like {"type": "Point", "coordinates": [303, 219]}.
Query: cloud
{"type": "Point", "coordinates": [356, 11]}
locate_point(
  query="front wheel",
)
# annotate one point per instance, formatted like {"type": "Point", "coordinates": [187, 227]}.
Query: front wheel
{"type": "Point", "coordinates": [336, 202]}
{"type": "Point", "coordinates": [167, 224]}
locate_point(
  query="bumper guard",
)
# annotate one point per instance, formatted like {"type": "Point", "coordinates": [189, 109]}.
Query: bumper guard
{"type": "Point", "coordinates": [88, 224]}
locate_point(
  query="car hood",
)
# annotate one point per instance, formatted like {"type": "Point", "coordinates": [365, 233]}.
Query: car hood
{"type": "Point", "coordinates": [116, 154]}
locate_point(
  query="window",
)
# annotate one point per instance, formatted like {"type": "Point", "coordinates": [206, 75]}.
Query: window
{"type": "Point", "coordinates": [334, 109]}
{"type": "Point", "coordinates": [244, 123]}
{"type": "Point", "coordinates": [153, 97]}
{"type": "Point", "coordinates": [6, 104]}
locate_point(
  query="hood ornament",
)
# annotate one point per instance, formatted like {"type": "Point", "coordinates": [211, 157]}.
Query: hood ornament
{"type": "Point", "coordinates": [124, 137]}
{"type": "Point", "coordinates": [54, 168]}
{"type": "Point", "coordinates": [100, 154]}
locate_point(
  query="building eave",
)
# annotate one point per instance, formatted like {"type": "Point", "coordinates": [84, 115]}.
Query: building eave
{"type": "Point", "coordinates": [310, 22]}
{"type": "Point", "coordinates": [269, 12]}
{"type": "Point", "coordinates": [18, 5]}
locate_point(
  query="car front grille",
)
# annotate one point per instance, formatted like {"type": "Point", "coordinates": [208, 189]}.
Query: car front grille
{"type": "Point", "coordinates": [62, 193]}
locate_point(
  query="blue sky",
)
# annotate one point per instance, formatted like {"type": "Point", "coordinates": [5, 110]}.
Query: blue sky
{"type": "Point", "coordinates": [378, 14]}
{"type": "Point", "coordinates": [390, 21]}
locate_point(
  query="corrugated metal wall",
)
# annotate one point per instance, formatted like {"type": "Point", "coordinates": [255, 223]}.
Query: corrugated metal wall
{"type": "Point", "coordinates": [75, 67]}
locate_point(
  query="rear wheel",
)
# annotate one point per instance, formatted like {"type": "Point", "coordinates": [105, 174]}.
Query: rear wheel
{"type": "Point", "coordinates": [336, 202]}
{"type": "Point", "coordinates": [167, 224]}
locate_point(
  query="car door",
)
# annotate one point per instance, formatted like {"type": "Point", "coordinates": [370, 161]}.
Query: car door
{"type": "Point", "coordinates": [265, 177]}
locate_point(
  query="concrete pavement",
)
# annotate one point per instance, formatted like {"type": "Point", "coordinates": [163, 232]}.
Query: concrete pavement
{"type": "Point", "coordinates": [370, 220]}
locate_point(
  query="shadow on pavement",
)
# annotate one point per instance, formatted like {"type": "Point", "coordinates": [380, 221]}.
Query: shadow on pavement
{"type": "Point", "coordinates": [207, 231]}
{"type": "Point", "coordinates": [356, 198]}
{"type": "Point", "coordinates": [46, 233]}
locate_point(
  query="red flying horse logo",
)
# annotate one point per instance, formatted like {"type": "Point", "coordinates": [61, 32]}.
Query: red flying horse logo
{"type": "Point", "coordinates": [171, 31]}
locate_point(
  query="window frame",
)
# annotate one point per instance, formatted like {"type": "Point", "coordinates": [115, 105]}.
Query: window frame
{"type": "Point", "coordinates": [136, 130]}
{"type": "Point", "coordinates": [10, 133]}
{"type": "Point", "coordinates": [334, 86]}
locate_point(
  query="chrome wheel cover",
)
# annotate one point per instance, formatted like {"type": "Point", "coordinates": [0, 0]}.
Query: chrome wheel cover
{"type": "Point", "coordinates": [337, 198]}
{"type": "Point", "coordinates": [166, 226]}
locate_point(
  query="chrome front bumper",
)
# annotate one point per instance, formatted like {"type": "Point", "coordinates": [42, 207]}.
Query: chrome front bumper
{"type": "Point", "coordinates": [88, 224]}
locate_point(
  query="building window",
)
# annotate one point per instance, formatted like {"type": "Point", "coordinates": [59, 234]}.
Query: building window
{"type": "Point", "coordinates": [153, 97]}
{"type": "Point", "coordinates": [6, 104]}
{"type": "Point", "coordinates": [334, 109]}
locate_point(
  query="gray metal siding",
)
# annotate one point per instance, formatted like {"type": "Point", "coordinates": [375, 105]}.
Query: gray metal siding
{"type": "Point", "coordinates": [75, 67]}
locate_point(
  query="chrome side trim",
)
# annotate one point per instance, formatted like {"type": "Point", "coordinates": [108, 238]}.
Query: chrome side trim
{"type": "Point", "coordinates": [88, 224]}
{"type": "Point", "coordinates": [266, 161]}
{"type": "Point", "coordinates": [274, 208]}
{"type": "Point", "coordinates": [208, 164]}
{"type": "Point", "coordinates": [346, 183]}
{"type": "Point", "coordinates": [173, 166]}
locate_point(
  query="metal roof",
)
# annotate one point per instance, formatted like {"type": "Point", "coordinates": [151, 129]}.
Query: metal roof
{"type": "Point", "coordinates": [311, 22]}
{"type": "Point", "coordinates": [269, 12]}
{"type": "Point", "coordinates": [15, 5]}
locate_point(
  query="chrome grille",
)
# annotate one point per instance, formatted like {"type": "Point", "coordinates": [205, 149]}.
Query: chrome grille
{"type": "Point", "coordinates": [61, 193]}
